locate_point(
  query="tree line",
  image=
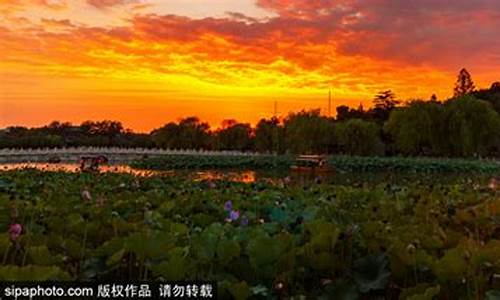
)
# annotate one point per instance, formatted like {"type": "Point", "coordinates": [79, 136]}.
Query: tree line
{"type": "Point", "coordinates": [468, 124]}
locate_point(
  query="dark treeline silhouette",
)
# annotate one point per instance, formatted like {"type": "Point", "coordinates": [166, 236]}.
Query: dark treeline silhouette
{"type": "Point", "coordinates": [464, 126]}
{"type": "Point", "coordinates": [89, 133]}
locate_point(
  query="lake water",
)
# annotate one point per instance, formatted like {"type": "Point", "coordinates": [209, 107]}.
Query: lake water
{"type": "Point", "coordinates": [249, 176]}
{"type": "Point", "coordinates": [239, 176]}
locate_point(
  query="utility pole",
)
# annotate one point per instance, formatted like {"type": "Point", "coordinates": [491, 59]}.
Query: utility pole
{"type": "Point", "coordinates": [329, 103]}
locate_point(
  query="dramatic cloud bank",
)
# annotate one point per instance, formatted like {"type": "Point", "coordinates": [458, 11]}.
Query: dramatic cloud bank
{"type": "Point", "coordinates": [353, 47]}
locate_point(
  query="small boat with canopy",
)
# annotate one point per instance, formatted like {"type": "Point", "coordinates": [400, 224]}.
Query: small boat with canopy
{"type": "Point", "coordinates": [311, 163]}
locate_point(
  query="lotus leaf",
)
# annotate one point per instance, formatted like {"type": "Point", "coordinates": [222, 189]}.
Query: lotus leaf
{"type": "Point", "coordinates": [228, 250]}
{"type": "Point", "coordinates": [32, 273]}
{"type": "Point", "coordinates": [177, 266]}
{"type": "Point", "coordinates": [452, 266]}
{"type": "Point", "coordinates": [341, 290]}
{"type": "Point", "coordinates": [371, 273]}
{"type": "Point", "coordinates": [492, 295]}
{"type": "Point", "coordinates": [240, 290]}
{"type": "Point", "coordinates": [41, 255]}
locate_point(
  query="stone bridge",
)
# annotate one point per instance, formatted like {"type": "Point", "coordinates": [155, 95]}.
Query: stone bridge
{"type": "Point", "coordinates": [115, 155]}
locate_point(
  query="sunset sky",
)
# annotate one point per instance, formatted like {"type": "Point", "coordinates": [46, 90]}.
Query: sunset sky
{"type": "Point", "coordinates": [147, 62]}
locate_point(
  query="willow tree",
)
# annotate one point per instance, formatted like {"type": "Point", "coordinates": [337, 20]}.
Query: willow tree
{"type": "Point", "coordinates": [473, 126]}
{"type": "Point", "coordinates": [309, 132]}
{"type": "Point", "coordinates": [359, 137]}
{"type": "Point", "coordinates": [418, 128]}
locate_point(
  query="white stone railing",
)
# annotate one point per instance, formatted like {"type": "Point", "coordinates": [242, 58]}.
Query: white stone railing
{"type": "Point", "coordinates": [113, 153]}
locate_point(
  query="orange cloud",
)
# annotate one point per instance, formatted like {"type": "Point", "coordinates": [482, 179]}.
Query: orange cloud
{"type": "Point", "coordinates": [101, 4]}
{"type": "Point", "coordinates": [355, 48]}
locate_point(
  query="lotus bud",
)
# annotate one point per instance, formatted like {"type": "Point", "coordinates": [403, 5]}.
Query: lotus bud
{"type": "Point", "coordinates": [86, 195]}
{"type": "Point", "coordinates": [326, 281]}
{"type": "Point", "coordinates": [493, 184]}
{"type": "Point", "coordinates": [411, 249]}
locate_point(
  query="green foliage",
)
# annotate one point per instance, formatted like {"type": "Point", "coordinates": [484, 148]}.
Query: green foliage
{"type": "Point", "coordinates": [240, 291]}
{"type": "Point", "coordinates": [421, 293]}
{"type": "Point", "coordinates": [473, 126]}
{"type": "Point", "coordinates": [341, 290]}
{"type": "Point", "coordinates": [32, 273]}
{"type": "Point", "coordinates": [201, 162]}
{"type": "Point", "coordinates": [491, 95]}
{"type": "Point", "coordinates": [90, 133]}
{"type": "Point", "coordinates": [269, 136]}
{"type": "Point", "coordinates": [234, 137]}
{"type": "Point", "coordinates": [464, 126]}
{"type": "Point", "coordinates": [308, 132]}
{"type": "Point", "coordinates": [228, 250]}
{"type": "Point", "coordinates": [418, 128]}
{"type": "Point", "coordinates": [322, 241]}
{"type": "Point", "coordinates": [371, 273]}
{"type": "Point", "coordinates": [413, 165]}
{"type": "Point", "coordinates": [358, 137]}
{"type": "Point", "coordinates": [492, 295]}
{"type": "Point", "coordinates": [189, 133]}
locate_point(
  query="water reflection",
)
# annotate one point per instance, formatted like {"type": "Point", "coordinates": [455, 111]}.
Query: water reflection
{"type": "Point", "coordinates": [238, 176]}
{"type": "Point", "coordinates": [283, 177]}
{"type": "Point", "coordinates": [74, 168]}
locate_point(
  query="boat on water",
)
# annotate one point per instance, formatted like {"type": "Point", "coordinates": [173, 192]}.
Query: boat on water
{"type": "Point", "coordinates": [311, 164]}
{"type": "Point", "coordinates": [91, 163]}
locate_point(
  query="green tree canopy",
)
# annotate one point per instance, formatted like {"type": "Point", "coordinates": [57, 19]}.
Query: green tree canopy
{"type": "Point", "coordinates": [189, 133]}
{"type": "Point", "coordinates": [473, 126]}
{"type": "Point", "coordinates": [491, 95]}
{"type": "Point", "coordinates": [417, 128]}
{"type": "Point", "coordinates": [269, 136]}
{"type": "Point", "coordinates": [359, 137]}
{"type": "Point", "coordinates": [234, 136]}
{"type": "Point", "coordinates": [309, 132]}
{"type": "Point", "coordinates": [384, 102]}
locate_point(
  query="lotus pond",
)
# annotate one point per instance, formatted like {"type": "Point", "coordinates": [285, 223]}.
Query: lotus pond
{"type": "Point", "coordinates": [280, 239]}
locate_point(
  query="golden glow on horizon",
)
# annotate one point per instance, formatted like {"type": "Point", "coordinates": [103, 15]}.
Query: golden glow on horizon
{"type": "Point", "coordinates": [146, 69]}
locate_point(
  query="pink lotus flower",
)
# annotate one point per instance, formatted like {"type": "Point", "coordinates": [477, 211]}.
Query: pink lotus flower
{"type": "Point", "coordinates": [15, 231]}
